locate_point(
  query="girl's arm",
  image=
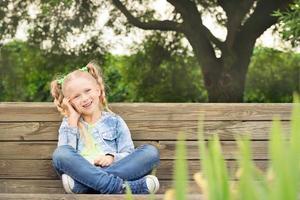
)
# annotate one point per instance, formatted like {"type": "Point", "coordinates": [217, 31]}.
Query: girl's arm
{"type": "Point", "coordinates": [67, 134]}
{"type": "Point", "coordinates": [124, 142]}
{"type": "Point", "coordinates": [68, 128]}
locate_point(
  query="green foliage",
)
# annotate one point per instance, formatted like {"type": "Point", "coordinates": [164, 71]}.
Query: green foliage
{"type": "Point", "coordinates": [285, 159]}
{"type": "Point", "coordinates": [57, 23]}
{"type": "Point", "coordinates": [26, 71]}
{"type": "Point", "coordinates": [290, 23]}
{"type": "Point", "coordinates": [154, 74]}
{"type": "Point", "coordinates": [116, 87]}
{"type": "Point", "coordinates": [158, 74]}
{"type": "Point", "coordinates": [273, 76]}
{"type": "Point", "coordinates": [127, 78]}
{"type": "Point", "coordinates": [54, 21]}
{"type": "Point", "coordinates": [22, 74]}
{"type": "Point", "coordinates": [281, 181]}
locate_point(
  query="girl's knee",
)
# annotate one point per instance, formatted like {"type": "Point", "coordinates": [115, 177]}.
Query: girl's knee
{"type": "Point", "coordinates": [152, 152]}
{"type": "Point", "coordinates": [61, 153]}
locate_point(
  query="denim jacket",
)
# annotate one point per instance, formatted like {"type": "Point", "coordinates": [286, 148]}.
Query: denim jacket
{"type": "Point", "coordinates": [110, 132]}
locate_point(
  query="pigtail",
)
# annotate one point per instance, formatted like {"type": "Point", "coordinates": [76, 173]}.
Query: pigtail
{"type": "Point", "coordinates": [56, 92]}
{"type": "Point", "coordinates": [94, 70]}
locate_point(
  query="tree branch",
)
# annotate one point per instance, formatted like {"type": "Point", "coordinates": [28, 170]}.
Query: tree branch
{"type": "Point", "coordinates": [262, 18]}
{"type": "Point", "coordinates": [235, 12]}
{"type": "Point", "coordinates": [165, 25]}
{"type": "Point", "coordinates": [212, 38]}
{"type": "Point", "coordinates": [192, 17]}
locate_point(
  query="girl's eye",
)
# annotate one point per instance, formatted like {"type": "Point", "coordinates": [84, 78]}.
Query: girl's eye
{"type": "Point", "coordinates": [76, 97]}
{"type": "Point", "coordinates": [87, 90]}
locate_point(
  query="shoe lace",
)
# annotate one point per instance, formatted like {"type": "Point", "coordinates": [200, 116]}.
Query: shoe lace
{"type": "Point", "coordinates": [139, 186]}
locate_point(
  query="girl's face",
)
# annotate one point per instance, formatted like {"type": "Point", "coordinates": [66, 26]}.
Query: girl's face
{"type": "Point", "coordinates": [84, 94]}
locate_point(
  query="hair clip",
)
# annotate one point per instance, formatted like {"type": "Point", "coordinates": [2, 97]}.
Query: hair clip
{"type": "Point", "coordinates": [84, 69]}
{"type": "Point", "coordinates": [61, 80]}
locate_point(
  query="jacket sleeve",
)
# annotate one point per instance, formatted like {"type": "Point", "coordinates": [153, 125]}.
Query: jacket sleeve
{"type": "Point", "coordinates": [124, 142]}
{"type": "Point", "coordinates": [67, 134]}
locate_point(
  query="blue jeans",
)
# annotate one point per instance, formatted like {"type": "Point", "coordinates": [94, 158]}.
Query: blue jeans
{"type": "Point", "coordinates": [89, 178]}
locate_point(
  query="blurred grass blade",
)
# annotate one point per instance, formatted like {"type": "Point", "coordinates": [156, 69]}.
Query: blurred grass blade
{"type": "Point", "coordinates": [128, 195]}
{"type": "Point", "coordinates": [215, 174]}
{"type": "Point", "coordinates": [279, 163]}
{"type": "Point", "coordinates": [220, 169]}
{"type": "Point", "coordinates": [294, 153]}
{"type": "Point", "coordinates": [205, 163]}
{"type": "Point", "coordinates": [251, 178]}
{"type": "Point", "coordinates": [181, 174]}
{"type": "Point", "coordinates": [246, 182]}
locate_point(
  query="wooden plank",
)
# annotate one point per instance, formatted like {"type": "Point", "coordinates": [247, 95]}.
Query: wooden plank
{"type": "Point", "coordinates": [37, 111]}
{"type": "Point", "coordinates": [148, 130]}
{"type": "Point", "coordinates": [87, 197]}
{"type": "Point", "coordinates": [26, 111]}
{"type": "Point", "coordinates": [55, 186]}
{"type": "Point", "coordinates": [27, 150]}
{"type": "Point", "coordinates": [229, 149]}
{"type": "Point", "coordinates": [42, 169]}
{"type": "Point", "coordinates": [27, 169]}
{"type": "Point", "coordinates": [22, 131]}
{"type": "Point", "coordinates": [44, 150]}
{"type": "Point", "coordinates": [31, 186]}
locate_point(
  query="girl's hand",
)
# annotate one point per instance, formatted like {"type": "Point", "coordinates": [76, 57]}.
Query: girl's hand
{"type": "Point", "coordinates": [104, 161]}
{"type": "Point", "coordinates": [72, 113]}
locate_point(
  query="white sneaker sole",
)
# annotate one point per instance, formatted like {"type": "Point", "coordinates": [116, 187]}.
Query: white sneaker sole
{"type": "Point", "coordinates": [155, 183]}
{"type": "Point", "coordinates": [65, 181]}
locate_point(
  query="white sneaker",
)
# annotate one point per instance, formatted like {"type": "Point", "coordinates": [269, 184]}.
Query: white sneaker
{"type": "Point", "coordinates": [152, 183]}
{"type": "Point", "coordinates": [68, 183]}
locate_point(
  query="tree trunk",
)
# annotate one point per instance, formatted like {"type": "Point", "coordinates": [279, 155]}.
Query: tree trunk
{"type": "Point", "coordinates": [226, 86]}
{"type": "Point", "coordinates": [225, 77]}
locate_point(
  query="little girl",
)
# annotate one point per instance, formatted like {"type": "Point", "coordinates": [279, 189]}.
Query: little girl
{"type": "Point", "coordinates": [95, 152]}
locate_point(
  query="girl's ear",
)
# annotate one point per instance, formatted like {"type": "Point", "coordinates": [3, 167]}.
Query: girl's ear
{"type": "Point", "coordinates": [99, 92]}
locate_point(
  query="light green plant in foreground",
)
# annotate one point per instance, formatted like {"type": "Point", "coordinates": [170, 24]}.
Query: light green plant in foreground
{"type": "Point", "coordinates": [281, 181]}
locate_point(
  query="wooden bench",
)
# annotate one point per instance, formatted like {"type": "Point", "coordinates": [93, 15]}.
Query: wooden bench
{"type": "Point", "coordinates": [28, 136]}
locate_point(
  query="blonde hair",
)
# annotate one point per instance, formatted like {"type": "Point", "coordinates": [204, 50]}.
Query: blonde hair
{"type": "Point", "coordinates": [57, 93]}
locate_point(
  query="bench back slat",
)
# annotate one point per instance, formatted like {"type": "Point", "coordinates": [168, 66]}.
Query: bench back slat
{"type": "Point", "coordinates": [155, 111]}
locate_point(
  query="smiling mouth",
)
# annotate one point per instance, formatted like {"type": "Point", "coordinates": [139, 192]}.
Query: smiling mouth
{"type": "Point", "coordinates": [87, 105]}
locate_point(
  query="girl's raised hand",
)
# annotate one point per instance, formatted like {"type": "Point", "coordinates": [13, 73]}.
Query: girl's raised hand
{"type": "Point", "coordinates": [73, 115]}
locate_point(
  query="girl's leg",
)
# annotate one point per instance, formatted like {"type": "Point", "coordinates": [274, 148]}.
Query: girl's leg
{"type": "Point", "coordinates": [78, 188]}
{"type": "Point", "coordinates": [136, 165]}
{"type": "Point", "coordinates": [67, 161]}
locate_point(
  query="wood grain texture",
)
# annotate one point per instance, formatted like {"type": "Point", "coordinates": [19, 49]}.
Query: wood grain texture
{"type": "Point", "coordinates": [55, 186]}
{"type": "Point", "coordinates": [148, 130]}
{"type": "Point", "coordinates": [86, 197]}
{"type": "Point", "coordinates": [42, 169]}
{"type": "Point", "coordinates": [44, 150]}
{"type": "Point", "coordinates": [35, 111]}
{"type": "Point", "coordinates": [28, 137]}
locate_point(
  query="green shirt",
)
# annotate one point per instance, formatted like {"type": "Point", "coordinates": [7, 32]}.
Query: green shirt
{"type": "Point", "coordinates": [91, 153]}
